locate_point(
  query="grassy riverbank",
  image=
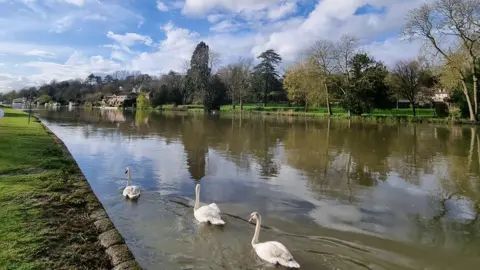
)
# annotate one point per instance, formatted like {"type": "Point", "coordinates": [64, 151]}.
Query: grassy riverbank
{"type": "Point", "coordinates": [316, 111]}
{"type": "Point", "coordinates": [43, 202]}
{"type": "Point", "coordinates": [402, 114]}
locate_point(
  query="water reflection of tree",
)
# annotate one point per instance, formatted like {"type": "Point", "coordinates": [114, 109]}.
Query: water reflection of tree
{"type": "Point", "coordinates": [195, 144]}
{"type": "Point", "coordinates": [324, 150]}
{"type": "Point", "coordinates": [443, 231]}
{"type": "Point", "coordinates": [142, 117]}
{"type": "Point", "coordinates": [341, 159]}
{"type": "Point", "coordinates": [339, 155]}
{"type": "Point", "coordinates": [244, 140]}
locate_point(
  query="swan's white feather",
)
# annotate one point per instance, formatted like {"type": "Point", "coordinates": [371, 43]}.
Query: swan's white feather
{"type": "Point", "coordinates": [209, 213]}
{"type": "Point", "coordinates": [132, 192]}
{"type": "Point", "coordinates": [214, 207]}
{"type": "Point", "coordinates": [276, 253]}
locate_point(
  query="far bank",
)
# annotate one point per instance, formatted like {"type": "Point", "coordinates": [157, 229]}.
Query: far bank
{"type": "Point", "coordinates": [400, 115]}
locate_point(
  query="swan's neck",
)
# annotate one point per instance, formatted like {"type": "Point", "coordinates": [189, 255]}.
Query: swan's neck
{"type": "Point", "coordinates": [128, 181]}
{"type": "Point", "coordinates": [197, 199]}
{"type": "Point", "coordinates": [257, 231]}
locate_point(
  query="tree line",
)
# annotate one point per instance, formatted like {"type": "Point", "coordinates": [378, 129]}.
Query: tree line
{"type": "Point", "coordinates": [329, 72]}
{"type": "Point", "coordinates": [238, 83]}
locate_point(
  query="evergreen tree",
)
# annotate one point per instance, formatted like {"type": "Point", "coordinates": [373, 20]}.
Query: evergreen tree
{"type": "Point", "coordinates": [199, 74]}
{"type": "Point", "coordinates": [267, 68]}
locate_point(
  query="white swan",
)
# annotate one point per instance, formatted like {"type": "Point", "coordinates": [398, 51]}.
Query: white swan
{"type": "Point", "coordinates": [207, 213]}
{"type": "Point", "coordinates": [271, 251]}
{"type": "Point", "coordinates": [131, 192]}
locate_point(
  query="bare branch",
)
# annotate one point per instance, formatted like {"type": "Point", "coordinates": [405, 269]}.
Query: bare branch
{"type": "Point", "coordinates": [213, 60]}
{"type": "Point", "coordinates": [346, 48]}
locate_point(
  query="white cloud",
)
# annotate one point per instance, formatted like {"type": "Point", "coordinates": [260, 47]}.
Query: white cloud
{"type": "Point", "coordinates": [63, 24]}
{"type": "Point", "coordinates": [172, 51]}
{"type": "Point", "coordinates": [282, 10]}
{"type": "Point", "coordinates": [215, 17]}
{"type": "Point", "coordinates": [96, 17]}
{"type": "Point", "coordinates": [15, 48]}
{"type": "Point", "coordinates": [77, 66]}
{"type": "Point", "coordinates": [200, 7]}
{"type": "Point", "coordinates": [265, 24]}
{"type": "Point", "coordinates": [393, 50]}
{"type": "Point", "coordinates": [225, 26]}
{"type": "Point", "coordinates": [130, 39]}
{"type": "Point", "coordinates": [161, 6]}
{"type": "Point", "coordinates": [73, 2]}
{"type": "Point", "coordinates": [40, 53]}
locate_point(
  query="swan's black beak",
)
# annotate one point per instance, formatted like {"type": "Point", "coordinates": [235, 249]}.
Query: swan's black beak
{"type": "Point", "coordinates": [126, 171]}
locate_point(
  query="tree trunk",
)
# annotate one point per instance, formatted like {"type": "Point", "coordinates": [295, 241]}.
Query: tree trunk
{"type": "Point", "coordinates": [241, 103]}
{"type": "Point", "coordinates": [414, 108]}
{"type": "Point", "coordinates": [472, 146]}
{"type": "Point", "coordinates": [265, 93]}
{"type": "Point", "coordinates": [306, 105]}
{"type": "Point", "coordinates": [329, 107]}
{"type": "Point", "coordinates": [475, 90]}
{"type": "Point", "coordinates": [473, 116]}
{"type": "Point", "coordinates": [233, 100]}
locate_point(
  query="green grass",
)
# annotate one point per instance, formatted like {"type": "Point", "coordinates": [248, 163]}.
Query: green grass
{"type": "Point", "coordinates": [322, 111]}
{"type": "Point", "coordinates": [300, 110]}
{"type": "Point", "coordinates": [43, 199]}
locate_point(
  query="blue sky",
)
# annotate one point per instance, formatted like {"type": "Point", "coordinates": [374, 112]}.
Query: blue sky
{"type": "Point", "coordinates": [41, 40]}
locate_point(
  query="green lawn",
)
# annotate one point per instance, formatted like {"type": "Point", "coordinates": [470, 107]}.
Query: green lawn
{"type": "Point", "coordinates": [43, 198]}
{"type": "Point", "coordinates": [298, 110]}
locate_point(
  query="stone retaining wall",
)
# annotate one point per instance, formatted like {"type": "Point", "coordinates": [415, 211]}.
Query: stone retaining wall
{"type": "Point", "coordinates": [110, 239]}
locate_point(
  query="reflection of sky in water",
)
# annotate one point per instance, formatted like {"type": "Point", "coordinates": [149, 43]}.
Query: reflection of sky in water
{"type": "Point", "coordinates": [394, 207]}
{"type": "Point", "coordinates": [383, 209]}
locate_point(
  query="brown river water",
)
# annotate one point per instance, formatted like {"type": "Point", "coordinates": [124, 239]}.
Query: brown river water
{"type": "Point", "coordinates": [339, 194]}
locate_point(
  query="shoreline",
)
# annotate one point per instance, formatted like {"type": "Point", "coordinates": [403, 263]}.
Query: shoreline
{"type": "Point", "coordinates": [376, 118]}
{"type": "Point", "coordinates": [316, 115]}
{"type": "Point", "coordinates": [69, 224]}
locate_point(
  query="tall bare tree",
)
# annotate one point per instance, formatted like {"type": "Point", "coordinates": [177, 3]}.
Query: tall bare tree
{"type": "Point", "coordinates": [324, 54]}
{"type": "Point", "coordinates": [236, 77]}
{"type": "Point", "coordinates": [213, 60]}
{"type": "Point", "coordinates": [411, 80]}
{"type": "Point", "coordinates": [345, 49]}
{"type": "Point", "coordinates": [450, 26]}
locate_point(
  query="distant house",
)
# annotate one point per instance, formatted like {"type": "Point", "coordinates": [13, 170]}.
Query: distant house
{"type": "Point", "coordinates": [122, 99]}
{"type": "Point", "coordinates": [72, 104]}
{"type": "Point", "coordinates": [440, 95]}
{"type": "Point", "coordinates": [19, 101]}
